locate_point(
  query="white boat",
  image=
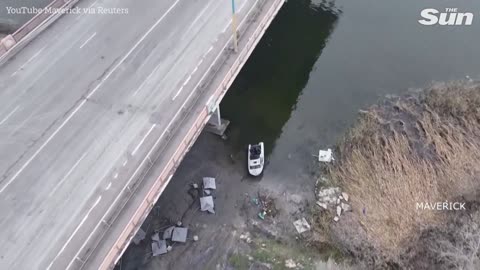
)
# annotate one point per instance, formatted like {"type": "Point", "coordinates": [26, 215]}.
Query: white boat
{"type": "Point", "coordinates": [255, 158]}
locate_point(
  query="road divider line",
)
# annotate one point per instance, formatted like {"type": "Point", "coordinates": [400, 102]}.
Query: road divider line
{"type": "Point", "coordinates": [86, 41]}
{"type": "Point", "coordinates": [199, 16]}
{"type": "Point", "coordinates": [9, 115]}
{"type": "Point", "coordinates": [28, 61]}
{"type": "Point", "coordinates": [68, 174]}
{"type": "Point", "coordinates": [92, 4]}
{"type": "Point", "coordinates": [88, 96]}
{"type": "Point", "coordinates": [108, 186]}
{"type": "Point", "coordinates": [74, 232]}
{"type": "Point", "coordinates": [143, 139]}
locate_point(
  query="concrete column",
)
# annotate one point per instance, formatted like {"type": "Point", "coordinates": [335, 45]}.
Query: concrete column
{"type": "Point", "coordinates": [216, 124]}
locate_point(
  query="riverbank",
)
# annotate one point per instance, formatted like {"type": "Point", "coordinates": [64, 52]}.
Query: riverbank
{"type": "Point", "coordinates": [399, 162]}
{"type": "Point", "coordinates": [235, 237]}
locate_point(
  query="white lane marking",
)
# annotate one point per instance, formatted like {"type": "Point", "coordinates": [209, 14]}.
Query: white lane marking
{"type": "Point", "coordinates": [74, 232]}
{"type": "Point", "coordinates": [148, 78]}
{"type": "Point", "coordinates": [88, 96]}
{"type": "Point", "coordinates": [28, 61]}
{"type": "Point", "coordinates": [199, 16]}
{"type": "Point", "coordinates": [125, 163]}
{"type": "Point", "coordinates": [240, 9]}
{"type": "Point", "coordinates": [67, 175]}
{"type": "Point", "coordinates": [108, 186]}
{"type": "Point", "coordinates": [147, 157]}
{"type": "Point", "coordinates": [86, 41]}
{"type": "Point", "coordinates": [92, 5]}
{"type": "Point", "coordinates": [143, 139]}
{"type": "Point", "coordinates": [9, 115]}
{"type": "Point", "coordinates": [209, 50]}
{"type": "Point", "coordinates": [115, 176]}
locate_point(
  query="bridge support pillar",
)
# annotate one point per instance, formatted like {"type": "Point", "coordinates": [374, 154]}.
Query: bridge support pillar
{"type": "Point", "coordinates": [216, 124]}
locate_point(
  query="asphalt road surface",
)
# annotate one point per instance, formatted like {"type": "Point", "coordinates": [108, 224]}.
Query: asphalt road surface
{"type": "Point", "coordinates": [79, 107]}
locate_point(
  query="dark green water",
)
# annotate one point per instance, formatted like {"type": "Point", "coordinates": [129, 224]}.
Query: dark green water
{"type": "Point", "coordinates": [322, 61]}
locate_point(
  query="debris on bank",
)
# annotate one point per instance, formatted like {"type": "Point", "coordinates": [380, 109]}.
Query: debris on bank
{"type": "Point", "coordinates": [333, 200]}
{"type": "Point", "coordinates": [301, 225]}
{"type": "Point", "coordinates": [325, 156]}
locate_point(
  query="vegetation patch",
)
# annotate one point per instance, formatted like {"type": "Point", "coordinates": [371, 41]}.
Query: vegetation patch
{"type": "Point", "coordinates": [421, 148]}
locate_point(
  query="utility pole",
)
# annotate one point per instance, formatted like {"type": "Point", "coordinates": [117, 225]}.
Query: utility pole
{"type": "Point", "coordinates": [234, 27]}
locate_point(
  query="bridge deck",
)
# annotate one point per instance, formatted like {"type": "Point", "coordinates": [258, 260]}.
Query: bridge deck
{"type": "Point", "coordinates": [85, 110]}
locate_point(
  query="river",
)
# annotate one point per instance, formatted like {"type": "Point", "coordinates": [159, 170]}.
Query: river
{"type": "Point", "coordinates": [322, 61]}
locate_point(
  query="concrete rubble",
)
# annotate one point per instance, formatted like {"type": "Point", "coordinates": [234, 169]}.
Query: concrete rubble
{"type": "Point", "coordinates": [334, 200]}
{"type": "Point", "coordinates": [209, 183]}
{"type": "Point", "coordinates": [301, 225]}
{"type": "Point", "coordinates": [139, 236]}
{"type": "Point", "coordinates": [290, 263]}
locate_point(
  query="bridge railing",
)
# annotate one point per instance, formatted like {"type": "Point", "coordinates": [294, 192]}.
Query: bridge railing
{"type": "Point", "coordinates": [161, 182]}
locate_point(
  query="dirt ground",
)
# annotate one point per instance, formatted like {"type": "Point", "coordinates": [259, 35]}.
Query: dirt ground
{"type": "Point", "coordinates": [235, 237]}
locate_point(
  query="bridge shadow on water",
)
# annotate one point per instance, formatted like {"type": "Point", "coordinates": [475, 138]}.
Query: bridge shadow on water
{"type": "Point", "coordinates": [266, 91]}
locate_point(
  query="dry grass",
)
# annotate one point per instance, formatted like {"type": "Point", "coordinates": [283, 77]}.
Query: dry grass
{"type": "Point", "coordinates": [408, 151]}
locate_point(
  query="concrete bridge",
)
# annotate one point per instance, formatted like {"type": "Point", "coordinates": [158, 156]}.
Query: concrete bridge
{"type": "Point", "coordinates": [97, 112]}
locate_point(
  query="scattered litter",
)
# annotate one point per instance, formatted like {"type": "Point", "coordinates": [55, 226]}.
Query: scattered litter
{"type": "Point", "coordinates": [206, 204]}
{"type": "Point", "coordinates": [159, 248]}
{"type": "Point", "coordinates": [335, 219]}
{"type": "Point", "coordinates": [268, 205]}
{"type": "Point", "coordinates": [179, 234]}
{"type": "Point", "coordinates": [169, 248]}
{"type": "Point", "coordinates": [195, 238]}
{"type": "Point", "coordinates": [179, 223]}
{"type": "Point", "coordinates": [325, 155]}
{"type": "Point", "coordinates": [262, 215]}
{"type": "Point", "coordinates": [195, 186]}
{"type": "Point", "coordinates": [155, 237]}
{"type": "Point", "coordinates": [209, 183]}
{"type": "Point", "coordinates": [290, 263]}
{"type": "Point", "coordinates": [345, 196]}
{"type": "Point", "coordinates": [139, 236]}
{"type": "Point", "coordinates": [167, 234]}
{"type": "Point", "coordinates": [301, 225]}
{"type": "Point", "coordinates": [339, 210]}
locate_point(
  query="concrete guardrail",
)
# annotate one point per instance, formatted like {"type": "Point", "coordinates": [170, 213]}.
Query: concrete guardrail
{"type": "Point", "coordinates": [13, 43]}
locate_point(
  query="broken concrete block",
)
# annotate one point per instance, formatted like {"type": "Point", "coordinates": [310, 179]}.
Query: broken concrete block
{"type": "Point", "coordinates": [323, 205]}
{"type": "Point", "coordinates": [179, 234]}
{"type": "Point", "coordinates": [155, 237]}
{"type": "Point", "coordinates": [336, 219]}
{"type": "Point", "coordinates": [167, 234]}
{"type": "Point", "coordinates": [345, 196]}
{"type": "Point", "coordinates": [290, 263]}
{"type": "Point", "coordinates": [206, 204]}
{"type": "Point", "coordinates": [139, 236]}
{"type": "Point", "coordinates": [325, 155]}
{"type": "Point", "coordinates": [345, 207]}
{"type": "Point", "coordinates": [301, 225]}
{"type": "Point", "coordinates": [159, 248]}
{"type": "Point", "coordinates": [209, 183]}
{"type": "Point", "coordinates": [339, 210]}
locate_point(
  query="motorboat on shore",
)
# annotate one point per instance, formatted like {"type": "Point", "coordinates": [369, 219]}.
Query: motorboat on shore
{"type": "Point", "coordinates": [256, 155]}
